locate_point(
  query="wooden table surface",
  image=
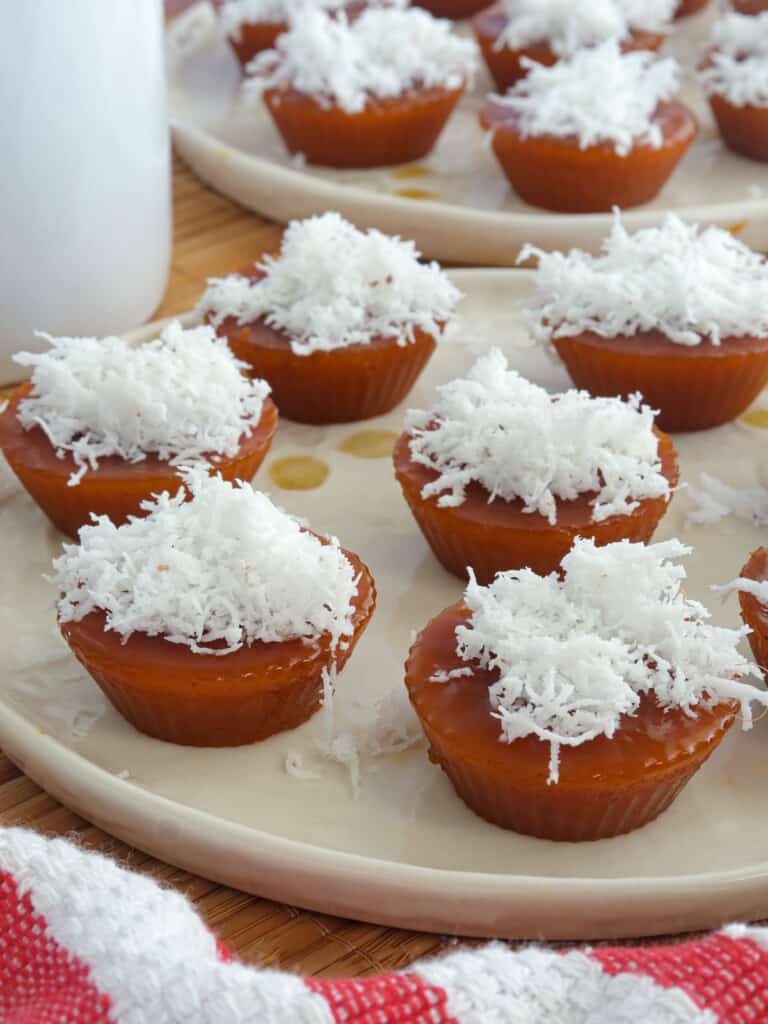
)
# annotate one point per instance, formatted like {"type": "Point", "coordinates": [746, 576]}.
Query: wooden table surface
{"type": "Point", "coordinates": [213, 236]}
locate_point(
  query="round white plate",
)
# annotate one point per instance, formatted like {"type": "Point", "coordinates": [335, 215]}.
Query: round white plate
{"type": "Point", "coordinates": [472, 216]}
{"type": "Point", "coordinates": [406, 851]}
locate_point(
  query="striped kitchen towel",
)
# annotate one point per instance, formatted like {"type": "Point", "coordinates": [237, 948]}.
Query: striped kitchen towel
{"type": "Point", "coordinates": [83, 941]}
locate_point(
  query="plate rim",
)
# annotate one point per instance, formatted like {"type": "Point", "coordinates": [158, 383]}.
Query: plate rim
{"type": "Point", "coordinates": [633, 217]}
{"type": "Point", "coordinates": [154, 823]}
{"type": "Point", "coordinates": [450, 231]}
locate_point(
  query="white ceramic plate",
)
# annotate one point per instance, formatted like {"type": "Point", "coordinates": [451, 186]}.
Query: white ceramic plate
{"type": "Point", "coordinates": [407, 851]}
{"type": "Point", "coordinates": [473, 216]}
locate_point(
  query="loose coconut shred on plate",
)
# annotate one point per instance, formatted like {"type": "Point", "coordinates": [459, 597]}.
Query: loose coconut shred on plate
{"type": "Point", "coordinates": [220, 571]}
{"type": "Point", "coordinates": [575, 654]}
{"type": "Point", "coordinates": [686, 282]}
{"type": "Point", "coordinates": [737, 70]}
{"type": "Point", "coordinates": [598, 95]}
{"type": "Point", "coordinates": [382, 54]}
{"type": "Point", "coordinates": [182, 397]}
{"type": "Point", "coordinates": [516, 440]}
{"type": "Point", "coordinates": [333, 286]}
{"type": "Point", "coordinates": [567, 26]}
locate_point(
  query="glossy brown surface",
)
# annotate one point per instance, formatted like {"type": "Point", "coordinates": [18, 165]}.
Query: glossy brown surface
{"type": "Point", "coordinates": [497, 535]}
{"type": "Point", "coordinates": [750, 6]}
{"type": "Point", "coordinates": [744, 129]}
{"type": "Point", "coordinates": [455, 9]}
{"type": "Point", "coordinates": [693, 387]}
{"type": "Point", "coordinates": [557, 174]}
{"type": "Point", "coordinates": [117, 488]}
{"type": "Point", "coordinates": [340, 386]}
{"type": "Point", "coordinates": [686, 7]}
{"type": "Point", "coordinates": [506, 65]}
{"type": "Point", "coordinates": [755, 614]}
{"type": "Point", "coordinates": [204, 700]}
{"type": "Point", "coordinates": [254, 37]}
{"type": "Point", "coordinates": [606, 786]}
{"type": "Point", "coordinates": [385, 132]}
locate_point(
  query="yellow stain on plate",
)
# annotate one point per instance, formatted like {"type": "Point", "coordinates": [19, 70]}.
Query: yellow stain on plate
{"type": "Point", "coordinates": [416, 193]}
{"type": "Point", "coordinates": [412, 171]}
{"type": "Point", "coordinates": [756, 418]}
{"type": "Point", "coordinates": [369, 444]}
{"type": "Point", "coordinates": [298, 472]}
{"type": "Point", "coordinates": [738, 227]}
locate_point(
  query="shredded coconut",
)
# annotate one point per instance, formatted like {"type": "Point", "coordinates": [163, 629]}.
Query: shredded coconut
{"type": "Point", "coordinates": [567, 26]}
{"type": "Point", "coordinates": [757, 588]}
{"type": "Point", "coordinates": [333, 286]}
{"type": "Point", "coordinates": [737, 68]}
{"type": "Point", "coordinates": [575, 654]}
{"type": "Point", "coordinates": [688, 283]}
{"type": "Point", "coordinates": [225, 569]}
{"type": "Point", "coordinates": [233, 14]}
{"type": "Point", "coordinates": [598, 95]}
{"type": "Point", "coordinates": [382, 54]}
{"type": "Point", "coordinates": [714, 500]}
{"type": "Point", "coordinates": [395, 729]}
{"type": "Point", "coordinates": [517, 441]}
{"type": "Point", "coordinates": [182, 396]}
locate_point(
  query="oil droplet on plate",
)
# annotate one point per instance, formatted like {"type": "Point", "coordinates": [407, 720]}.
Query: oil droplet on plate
{"type": "Point", "coordinates": [416, 193]}
{"type": "Point", "coordinates": [298, 472]}
{"type": "Point", "coordinates": [412, 171]}
{"type": "Point", "coordinates": [756, 418]}
{"type": "Point", "coordinates": [738, 227]}
{"type": "Point", "coordinates": [370, 444]}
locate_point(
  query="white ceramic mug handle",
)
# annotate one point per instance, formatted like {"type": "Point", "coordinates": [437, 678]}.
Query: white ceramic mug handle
{"type": "Point", "coordinates": [190, 30]}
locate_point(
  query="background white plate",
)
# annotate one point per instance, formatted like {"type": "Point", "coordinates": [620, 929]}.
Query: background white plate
{"type": "Point", "coordinates": [407, 851]}
{"type": "Point", "coordinates": [474, 218]}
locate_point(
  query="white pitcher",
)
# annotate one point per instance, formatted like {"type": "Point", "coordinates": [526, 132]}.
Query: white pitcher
{"type": "Point", "coordinates": [85, 212]}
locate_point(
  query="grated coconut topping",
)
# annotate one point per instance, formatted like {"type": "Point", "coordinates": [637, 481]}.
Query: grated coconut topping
{"type": "Point", "coordinates": [575, 654]}
{"type": "Point", "coordinates": [333, 286]}
{"type": "Point", "coordinates": [233, 14]}
{"type": "Point", "coordinates": [517, 441]}
{"type": "Point", "coordinates": [567, 25]}
{"type": "Point", "coordinates": [224, 568]}
{"type": "Point", "coordinates": [181, 396]}
{"type": "Point", "coordinates": [382, 54]}
{"type": "Point", "coordinates": [737, 69]}
{"type": "Point", "coordinates": [599, 95]}
{"type": "Point", "coordinates": [687, 282]}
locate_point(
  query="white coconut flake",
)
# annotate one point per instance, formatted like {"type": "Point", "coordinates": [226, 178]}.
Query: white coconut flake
{"type": "Point", "coordinates": [714, 500]}
{"type": "Point", "coordinates": [220, 571]}
{"type": "Point", "coordinates": [382, 54]}
{"type": "Point", "coordinates": [690, 284]}
{"type": "Point", "coordinates": [395, 729]}
{"type": "Point", "coordinates": [737, 67]}
{"type": "Point", "coordinates": [567, 26]}
{"type": "Point", "coordinates": [757, 588]}
{"type": "Point", "coordinates": [599, 95]}
{"type": "Point", "coordinates": [575, 654]}
{"type": "Point", "coordinates": [233, 14]}
{"type": "Point", "coordinates": [333, 286]}
{"type": "Point", "coordinates": [182, 396]}
{"type": "Point", "coordinates": [517, 441]}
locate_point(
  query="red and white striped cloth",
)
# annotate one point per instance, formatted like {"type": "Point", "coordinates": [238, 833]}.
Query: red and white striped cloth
{"type": "Point", "coordinates": [83, 941]}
